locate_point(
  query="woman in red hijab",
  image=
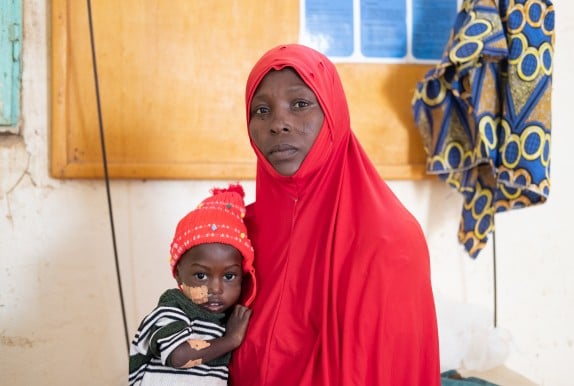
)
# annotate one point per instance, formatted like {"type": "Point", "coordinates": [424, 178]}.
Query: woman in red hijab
{"type": "Point", "coordinates": [344, 291]}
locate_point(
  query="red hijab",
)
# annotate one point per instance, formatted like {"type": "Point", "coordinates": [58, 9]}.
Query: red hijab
{"type": "Point", "coordinates": [344, 292]}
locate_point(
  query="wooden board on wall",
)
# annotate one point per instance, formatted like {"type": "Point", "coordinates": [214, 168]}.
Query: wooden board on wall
{"type": "Point", "coordinates": [171, 78]}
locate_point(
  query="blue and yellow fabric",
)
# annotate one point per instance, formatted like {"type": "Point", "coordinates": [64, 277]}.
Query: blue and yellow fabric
{"type": "Point", "coordinates": [484, 111]}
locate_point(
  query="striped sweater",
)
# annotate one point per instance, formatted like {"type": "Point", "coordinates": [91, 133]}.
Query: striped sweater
{"type": "Point", "coordinates": [175, 320]}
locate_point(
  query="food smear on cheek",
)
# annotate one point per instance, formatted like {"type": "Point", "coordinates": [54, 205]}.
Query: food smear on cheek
{"type": "Point", "coordinates": [198, 295]}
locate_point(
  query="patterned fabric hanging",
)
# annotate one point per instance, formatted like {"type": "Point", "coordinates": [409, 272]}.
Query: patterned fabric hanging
{"type": "Point", "coordinates": [484, 111]}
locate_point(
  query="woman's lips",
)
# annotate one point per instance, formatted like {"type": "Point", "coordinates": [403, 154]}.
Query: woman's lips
{"type": "Point", "coordinates": [281, 152]}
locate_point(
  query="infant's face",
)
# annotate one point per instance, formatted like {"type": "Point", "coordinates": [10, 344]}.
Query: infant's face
{"type": "Point", "coordinates": [210, 275]}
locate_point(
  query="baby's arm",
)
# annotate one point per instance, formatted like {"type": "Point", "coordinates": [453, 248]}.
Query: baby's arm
{"type": "Point", "coordinates": [195, 352]}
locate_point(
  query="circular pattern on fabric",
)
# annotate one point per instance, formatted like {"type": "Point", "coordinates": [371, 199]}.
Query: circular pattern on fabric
{"type": "Point", "coordinates": [532, 142]}
{"type": "Point", "coordinates": [545, 156]}
{"type": "Point", "coordinates": [510, 192]}
{"type": "Point", "coordinates": [487, 129]}
{"type": "Point", "coordinates": [483, 225]}
{"type": "Point", "coordinates": [476, 29]}
{"type": "Point", "coordinates": [433, 92]}
{"type": "Point", "coordinates": [544, 187]}
{"type": "Point", "coordinates": [516, 19]}
{"type": "Point", "coordinates": [510, 151]}
{"type": "Point", "coordinates": [468, 240]}
{"type": "Point", "coordinates": [534, 13]}
{"type": "Point", "coordinates": [465, 51]}
{"type": "Point", "coordinates": [481, 203]}
{"type": "Point", "coordinates": [490, 139]}
{"type": "Point", "coordinates": [546, 54]}
{"type": "Point", "coordinates": [528, 66]}
{"type": "Point", "coordinates": [437, 165]}
{"type": "Point", "coordinates": [510, 189]}
{"type": "Point", "coordinates": [454, 155]}
{"type": "Point", "coordinates": [548, 22]}
{"type": "Point", "coordinates": [522, 178]}
{"type": "Point", "coordinates": [517, 46]}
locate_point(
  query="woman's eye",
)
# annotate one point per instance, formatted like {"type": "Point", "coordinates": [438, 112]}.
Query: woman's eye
{"type": "Point", "coordinates": [301, 104]}
{"type": "Point", "coordinates": [200, 276]}
{"type": "Point", "coordinates": [260, 110]}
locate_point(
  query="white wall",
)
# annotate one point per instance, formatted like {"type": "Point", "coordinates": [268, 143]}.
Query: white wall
{"type": "Point", "coordinates": [59, 306]}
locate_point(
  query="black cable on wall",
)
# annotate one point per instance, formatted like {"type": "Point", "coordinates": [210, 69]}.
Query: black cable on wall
{"type": "Point", "coordinates": [106, 175]}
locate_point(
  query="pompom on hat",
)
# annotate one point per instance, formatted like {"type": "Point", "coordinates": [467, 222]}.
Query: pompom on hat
{"type": "Point", "coordinates": [218, 219]}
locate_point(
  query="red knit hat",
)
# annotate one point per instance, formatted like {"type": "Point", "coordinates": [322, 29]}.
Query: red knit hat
{"type": "Point", "coordinates": [218, 219]}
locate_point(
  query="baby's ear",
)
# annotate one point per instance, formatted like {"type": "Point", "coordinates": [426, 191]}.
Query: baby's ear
{"type": "Point", "coordinates": [176, 275]}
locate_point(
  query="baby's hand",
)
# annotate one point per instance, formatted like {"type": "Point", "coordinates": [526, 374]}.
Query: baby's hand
{"type": "Point", "coordinates": [237, 324]}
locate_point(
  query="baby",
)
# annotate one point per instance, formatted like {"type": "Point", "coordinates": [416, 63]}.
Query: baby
{"type": "Point", "coordinates": [188, 338]}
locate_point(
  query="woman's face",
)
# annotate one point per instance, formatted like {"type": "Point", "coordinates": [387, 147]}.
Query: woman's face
{"type": "Point", "coordinates": [285, 119]}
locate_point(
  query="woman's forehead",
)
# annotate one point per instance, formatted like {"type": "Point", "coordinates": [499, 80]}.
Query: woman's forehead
{"type": "Point", "coordinates": [285, 75]}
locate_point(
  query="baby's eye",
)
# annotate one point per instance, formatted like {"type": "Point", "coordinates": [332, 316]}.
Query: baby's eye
{"type": "Point", "coordinates": [200, 276]}
{"type": "Point", "coordinates": [229, 276]}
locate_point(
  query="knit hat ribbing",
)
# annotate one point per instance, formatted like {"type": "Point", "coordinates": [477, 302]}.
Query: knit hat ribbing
{"type": "Point", "coordinates": [218, 219]}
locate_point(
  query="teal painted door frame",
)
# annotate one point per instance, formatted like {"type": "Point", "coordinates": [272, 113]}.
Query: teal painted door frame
{"type": "Point", "coordinates": [10, 64]}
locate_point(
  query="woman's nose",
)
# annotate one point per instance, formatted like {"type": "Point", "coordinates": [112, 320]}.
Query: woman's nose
{"type": "Point", "coordinates": [280, 123]}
